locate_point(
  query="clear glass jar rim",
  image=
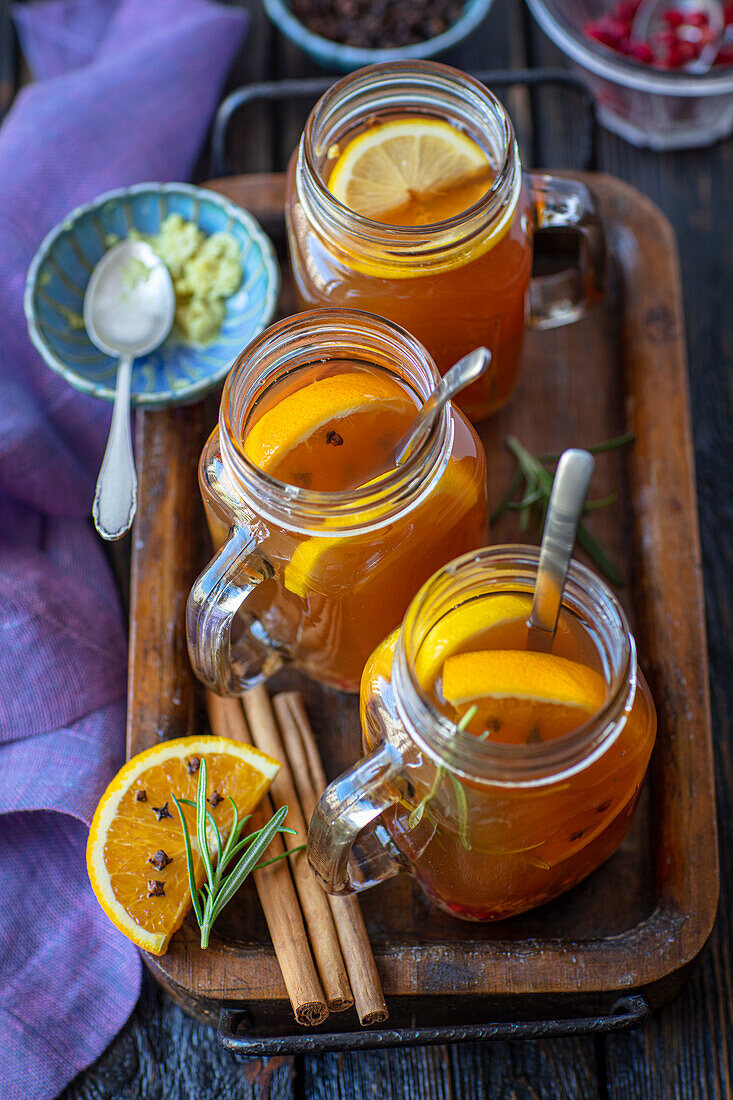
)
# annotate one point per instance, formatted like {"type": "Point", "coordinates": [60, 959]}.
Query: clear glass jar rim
{"type": "Point", "coordinates": [491, 761]}
{"type": "Point", "coordinates": [399, 490]}
{"type": "Point", "coordinates": [487, 206]}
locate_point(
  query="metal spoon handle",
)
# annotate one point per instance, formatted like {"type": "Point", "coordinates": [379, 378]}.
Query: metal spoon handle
{"type": "Point", "coordinates": [569, 490]}
{"type": "Point", "coordinates": [115, 498]}
{"type": "Point", "coordinates": [460, 375]}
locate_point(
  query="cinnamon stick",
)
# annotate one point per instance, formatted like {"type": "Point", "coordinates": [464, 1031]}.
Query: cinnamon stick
{"type": "Point", "coordinates": [310, 779]}
{"type": "Point", "coordinates": [313, 899]}
{"type": "Point", "coordinates": [276, 891]}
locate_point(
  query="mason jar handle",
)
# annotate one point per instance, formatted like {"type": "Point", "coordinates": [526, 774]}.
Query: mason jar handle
{"type": "Point", "coordinates": [561, 203]}
{"type": "Point", "coordinates": [214, 601]}
{"type": "Point", "coordinates": [343, 863]}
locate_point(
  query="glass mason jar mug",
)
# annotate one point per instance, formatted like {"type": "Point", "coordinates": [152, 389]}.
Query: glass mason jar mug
{"type": "Point", "coordinates": [495, 823]}
{"type": "Point", "coordinates": [318, 577]}
{"type": "Point", "coordinates": [455, 283]}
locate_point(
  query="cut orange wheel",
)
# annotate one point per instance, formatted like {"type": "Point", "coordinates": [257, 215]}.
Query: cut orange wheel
{"type": "Point", "coordinates": [460, 623]}
{"type": "Point", "coordinates": [522, 695]}
{"type": "Point", "coordinates": [284, 437]}
{"type": "Point", "coordinates": [136, 856]}
{"type": "Point", "coordinates": [313, 557]}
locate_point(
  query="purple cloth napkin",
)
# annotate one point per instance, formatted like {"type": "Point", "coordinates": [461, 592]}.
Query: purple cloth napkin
{"type": "Point", "coordinates": [124, 94]}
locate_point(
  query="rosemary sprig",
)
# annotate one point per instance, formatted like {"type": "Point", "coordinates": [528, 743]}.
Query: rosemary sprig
{"type": "Point", "coordinates": [222, 883]}
{"type": "Point", "coordinates": [461, 801]}
{"type": "Point", "coordinates": [535, 495]}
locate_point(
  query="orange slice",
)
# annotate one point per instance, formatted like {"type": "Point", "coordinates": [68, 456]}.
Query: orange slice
{"type": "Point", "coordinates": [411, 171]}
{"type": "Point", "coordinates": [136, 857]}
{"type": "Point", "coordinates": [522, 695]}
{"type": "Point", "coordinates": [462, 623]}
{"type": "Point", "coordinates": [286, 438]}
{"type": "Point", "coordinates": [314, 557]}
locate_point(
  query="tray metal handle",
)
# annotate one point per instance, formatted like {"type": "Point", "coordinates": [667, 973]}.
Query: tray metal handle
{"type": "Point", "coordinates": [279, 90]}
{"type": "Point", "coordinates": [627, 1012]}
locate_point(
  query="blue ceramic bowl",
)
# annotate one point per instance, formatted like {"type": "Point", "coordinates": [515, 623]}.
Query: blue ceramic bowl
{"type": "Point", "coordinates": [336, 55]}
{"type": "Point", "coordinates": [175, 372]}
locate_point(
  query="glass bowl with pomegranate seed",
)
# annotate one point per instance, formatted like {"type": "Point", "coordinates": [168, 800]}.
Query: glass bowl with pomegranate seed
{"type": "Point", "coordinates": [665, 85]}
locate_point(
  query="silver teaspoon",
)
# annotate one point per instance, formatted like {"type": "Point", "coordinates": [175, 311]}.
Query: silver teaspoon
{"type": "Point", "coordinates": [460, 375]}
{"type": "Point", "coordinates": [569, 490]}
{"type": "Point", "coordinates": [129, 306]}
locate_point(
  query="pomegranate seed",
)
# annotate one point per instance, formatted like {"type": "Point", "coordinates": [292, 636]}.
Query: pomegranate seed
{"type": "Point", "coordinates": [627, 9]}
{"type": "Point", "coordinates": [665, 38]}
{"type": "Point", "coordinates": [697, 19]}
{"type": "Point", "coordinates": [599, 35]}
{"type": "Point", "coordinates": [686, 52]}
{"type": "Point", "coordinates": [728, 14]}
{"type": "Point", "coordinates": [673, 18]}
{"type": "Point", "coordinates": [642, 52]}
{"type": "Point", "coordinates": [706, 37]}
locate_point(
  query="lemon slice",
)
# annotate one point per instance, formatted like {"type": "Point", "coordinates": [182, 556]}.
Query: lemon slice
{"type": "Point", "coordinates": [306, 417]}
{"type": "Point", "coordinates": [136, 840]}
{"type": "Point", "coordinates": [405, 163]}
{"type": "Point", "coordinates": [460, 624]}
{"type": "Point", "coordinates": [523, 695]}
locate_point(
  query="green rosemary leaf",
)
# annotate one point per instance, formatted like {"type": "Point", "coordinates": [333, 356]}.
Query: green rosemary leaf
{"type": "Point", "coordinates": [209, 815]}
{"type": "Point", "coordinates": [201, 824]}
{"type": "Point", "coordinates": [416, 815]}
{"type": "Point", "coordinates": [221, 884]}
{"type": "Point", "coordinates": [189, 862]}
{"type": "Point", "coordinates": [417, 812]}
{"type": "Point", "coordinates": [597, 448]}
{"type": "Point", "coordinates": [603, 502]}
{"type": "Point", "coordinates": [598, 555]}
{"type": "Point", "coordinates": [532, 504]}
{"type": "Point", "coordinates": [467, 717]}
{"type": "Point", "coordinates": [462, 809]}
{"type": "Point", "coordinates": [526, 502]}
{"type": "Point", "coordinates": [283, 855]}
{"type": "Point", "coordinates": [225, 857]}
{"type": "Point", "coordinates": [243, 845]}
{"type": "Point", "coordinates": [504, 502]}
{"type": "Point", "coordinates": [248, 862]}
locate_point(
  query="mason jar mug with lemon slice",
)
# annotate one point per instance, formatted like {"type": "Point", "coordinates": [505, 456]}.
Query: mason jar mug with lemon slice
{"type": "Point", "coordinates": [322, 539]}
{"type": "Point", "coordinates": [407, 198]}
{"type": "Point", "coordinates": [499, 777]}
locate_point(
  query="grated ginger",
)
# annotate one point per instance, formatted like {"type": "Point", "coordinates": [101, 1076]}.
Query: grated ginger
{"type": "Point", "coordinates": [205, 272]}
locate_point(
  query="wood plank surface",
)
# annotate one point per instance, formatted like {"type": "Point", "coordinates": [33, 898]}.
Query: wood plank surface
{"type": "Point", "coordinates": [685, 1051]}
{"type": "Point", "coordinates": [597, 386]}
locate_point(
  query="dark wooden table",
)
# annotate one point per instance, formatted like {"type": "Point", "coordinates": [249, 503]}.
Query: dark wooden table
{"type": "Point", "coordinates": [685, 1051]}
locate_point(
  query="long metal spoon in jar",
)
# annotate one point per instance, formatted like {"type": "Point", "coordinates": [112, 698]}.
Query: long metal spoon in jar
{"type": "Point", "coordinates": [461, 374]}
{"type": "Point", "coordinates": [565, 507]}
{"type": "Point", "coordinates": [129, 306]}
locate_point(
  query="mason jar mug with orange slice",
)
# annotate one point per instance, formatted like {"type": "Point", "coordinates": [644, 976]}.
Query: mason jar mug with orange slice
{"type": "Point", "coordinates": [497, 776]}
{"type": "Point", "coordinates": [322, 539]}
{"type": "Point", "coordinates": [407, 198]}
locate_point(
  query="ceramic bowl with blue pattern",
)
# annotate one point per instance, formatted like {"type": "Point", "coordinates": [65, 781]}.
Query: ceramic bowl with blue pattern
{"type": "Point", "coordinates": [176, 372]}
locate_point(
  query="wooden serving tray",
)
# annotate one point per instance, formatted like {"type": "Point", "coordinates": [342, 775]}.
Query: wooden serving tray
{"type": "Point", "coordinates": [637, 923]}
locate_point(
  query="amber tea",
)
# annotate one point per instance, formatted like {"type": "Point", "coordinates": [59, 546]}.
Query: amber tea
{"type": "Point", "coordinates": [343, 536]}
